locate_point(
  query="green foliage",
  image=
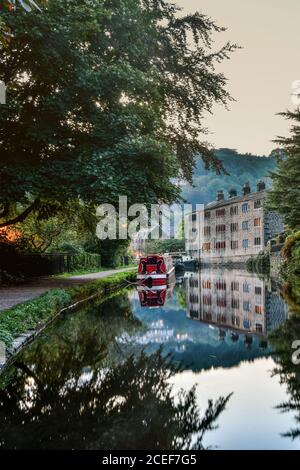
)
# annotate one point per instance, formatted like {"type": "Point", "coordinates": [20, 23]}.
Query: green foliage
{"type": "Point", "coordinates": [291, 271]}
{"type": "Point", "coordinates": [104, 97]}
{"type": "Point", "coordinates": [112, 252]}
{"type": "Point", "coordinates": [260, 263]}
{"type": "Point", "coordinates": [239, 167]}
{"type": "Point", "coordinates": [285, 195]}
{"type": "Point", "coordinates": [165, 246]}
{"type": "Point", "coordinates": [290, 246]}
{"type": "Point", "coordinates": [34, 313]}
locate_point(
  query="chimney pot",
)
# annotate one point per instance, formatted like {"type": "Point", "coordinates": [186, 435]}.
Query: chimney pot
{"type": "Point", "coordinates": [246, 189]}
{"type": "Point", "coordinates": [261, 186]}
{"type": "Point", "coordinates": [220, 196]}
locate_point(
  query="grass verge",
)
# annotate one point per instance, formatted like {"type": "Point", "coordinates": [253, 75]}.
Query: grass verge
{"type": "Point", "coordinates": [35, 313]}
{"type": "Point", "coordinates": [92, 271]}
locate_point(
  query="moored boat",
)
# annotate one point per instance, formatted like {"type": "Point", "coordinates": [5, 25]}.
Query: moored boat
{"type": "Point", "coordinates": [156, 269]}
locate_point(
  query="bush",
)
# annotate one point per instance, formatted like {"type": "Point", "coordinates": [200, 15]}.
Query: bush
{"type": "Point", "coordinates": [289, 245]}
{"type": "Point", "coordinates": [259, 264]}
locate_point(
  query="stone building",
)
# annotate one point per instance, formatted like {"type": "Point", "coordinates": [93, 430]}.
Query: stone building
{"type": "Point", "coordinates": [232, 229]}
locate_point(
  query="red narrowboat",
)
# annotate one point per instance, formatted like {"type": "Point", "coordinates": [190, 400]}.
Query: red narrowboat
{"type": "Point", "coordinates": [156, 268]}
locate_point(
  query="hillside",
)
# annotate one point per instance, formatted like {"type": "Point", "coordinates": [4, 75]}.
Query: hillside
{"type": "Point", "coordinates": [241, 168]}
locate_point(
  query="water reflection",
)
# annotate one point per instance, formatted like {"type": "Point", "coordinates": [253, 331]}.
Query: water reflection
{"type": "Point", "coordinates": [288, 372]}
{"type": "Point", "coordinates": [75, 388]}
{"type": "Point", "coordinates": [238, 302]}
{"type": "Point", "coordinates": [101, 378]}
{"type": "Point", "coordinates": [232, 312]}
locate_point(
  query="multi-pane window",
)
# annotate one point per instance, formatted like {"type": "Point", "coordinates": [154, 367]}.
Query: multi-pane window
{"type": "Point", "coordinates": [257, 241]}
{"type": "Point", "coordinates": [235, 320]}
{"type": "Point", "coordinates": [206, 284]}
{"type": "Point", "coordinates": [245, 225]}
{"type": "Point", "coordinates": [221, 318]}
{"type": "Point", "coordinates": [207, 316]}
{"type": "Point", "coordinates": [221, 228]}
{"type": "Point", "coordinates": [245, 207]}
{"type": "Point", "coordinates": [221, 285]}
{"type": "Point", "coordinates": [206, 246]}
{"type": "Point", "coordinates": [220, 245]}
{"type": "Point", "coordinates": [194, 299]}
{"type": "Point", "coordinates": [207, 300]}
{"type": "Point", "coordinates": [246, 306]}
{"type": "Point", "coordinates": [258, 309]}
{"type": "Point", "coordinates": [234, 244]}
{"type": "Point", "coordinates": [234, 210]}
{"type": "Point", "coordinates": [221, 302]}
{"type": "Point", "coordinates": [257, 204]}
{"type": "Point", "coordinates": [235, 303]}
{"type": "Point", "coordinates": [207, 231]}
{"type": "Point", "coordinates": [246, 244]}
{"type": "Point", "coordinates": [207, 215]}
{"type": "Point", "coordinates": [220, 212]}
{"type": "Point", "coordinates": [259, 328]}
{"type": "Point", "coordinates": [193, 313]}
{"type": "Point", "coordinates": [246, 287]}
{"type": "Point", "coordinates": [257, 222]}
{"type": "Point", "coordinates": [258, 290]}
{"type": "Point", "coordinates": [235, 286]}
{"type": "Point", "coordinates": [234, 227]}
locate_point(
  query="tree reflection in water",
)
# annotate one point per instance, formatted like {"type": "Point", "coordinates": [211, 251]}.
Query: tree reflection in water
{"type": "Point", "coordinates": [74, 389]}
{"type": "Point", "coordinates": [289, 373]}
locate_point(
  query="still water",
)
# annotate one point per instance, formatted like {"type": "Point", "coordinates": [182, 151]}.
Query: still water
{"type": "Point", "coordinates": [209, 366]}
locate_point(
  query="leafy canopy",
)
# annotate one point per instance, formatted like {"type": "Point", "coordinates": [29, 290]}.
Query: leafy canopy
{"type": "Point", "coordinates": [285, 195]}
{"type": "Point", "coordinates": [104, 97]}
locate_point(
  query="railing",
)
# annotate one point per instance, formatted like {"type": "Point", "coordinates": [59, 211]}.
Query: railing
{"type": "Point", "coordinates": [42, 264]}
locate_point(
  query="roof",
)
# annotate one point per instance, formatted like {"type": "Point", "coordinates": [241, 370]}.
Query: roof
{"type": "Point", "coordinates": [235, 200]}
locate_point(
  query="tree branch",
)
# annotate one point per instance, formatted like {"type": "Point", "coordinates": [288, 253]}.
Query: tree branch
{"type": "Point", "coordinates": [4, 211]}
{"type": "Point", "coordinates": [21, 217]}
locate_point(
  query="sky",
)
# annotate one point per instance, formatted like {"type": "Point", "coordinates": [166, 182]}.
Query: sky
{"type": "Point", "coordinates": [260, 76]}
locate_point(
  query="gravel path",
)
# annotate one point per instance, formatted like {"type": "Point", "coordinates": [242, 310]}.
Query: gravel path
{"type": "Point", "coordinates": [10, 296]}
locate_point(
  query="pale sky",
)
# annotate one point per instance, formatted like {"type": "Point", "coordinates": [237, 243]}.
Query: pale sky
{"type": "Point", "coordinates": [260, 75]}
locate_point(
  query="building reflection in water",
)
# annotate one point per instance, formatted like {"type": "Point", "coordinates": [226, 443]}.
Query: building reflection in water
{"type": "Point", "coordinates": [238, 302]}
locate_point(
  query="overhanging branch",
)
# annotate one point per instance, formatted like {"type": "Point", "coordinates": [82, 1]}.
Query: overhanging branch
{"type": "Point", "coordinates": [21, 217]}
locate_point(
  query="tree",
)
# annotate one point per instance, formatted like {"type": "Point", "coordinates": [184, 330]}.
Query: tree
{"type": "Point", "coordinates": [285, 195]}
{"type": "Point", "coordinates": [104, 97]}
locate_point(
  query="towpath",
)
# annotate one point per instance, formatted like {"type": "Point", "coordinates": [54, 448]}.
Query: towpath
{"type": "Point", "coordinates": [13, 295]}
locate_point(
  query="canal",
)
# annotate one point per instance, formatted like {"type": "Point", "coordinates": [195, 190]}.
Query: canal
{"type": "Point", "coordinates": [209, 366]}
